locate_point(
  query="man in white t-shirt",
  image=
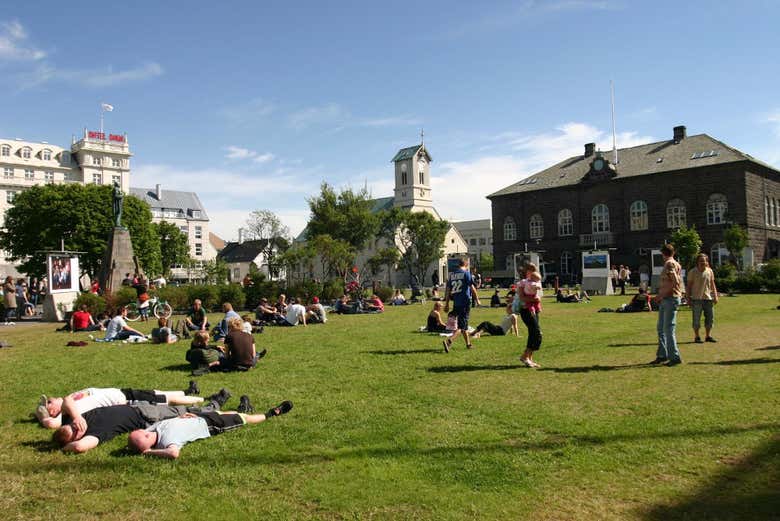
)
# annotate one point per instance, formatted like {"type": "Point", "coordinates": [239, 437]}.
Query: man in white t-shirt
{"type": "Point", "coordinates": [118, 329]}
{"type": "Point", "coordinates": [296, 314]}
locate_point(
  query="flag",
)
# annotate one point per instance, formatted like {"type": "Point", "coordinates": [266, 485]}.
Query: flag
{"type": "Point", "coordinates": [106, 107]}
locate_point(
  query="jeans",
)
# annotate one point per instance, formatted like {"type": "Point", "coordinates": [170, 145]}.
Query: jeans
{"type": "Point", "coordinates": [667, 321]}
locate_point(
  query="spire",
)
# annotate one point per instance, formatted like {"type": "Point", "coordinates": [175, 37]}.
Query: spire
{"type": "Point", "coordinates": [422, 137]}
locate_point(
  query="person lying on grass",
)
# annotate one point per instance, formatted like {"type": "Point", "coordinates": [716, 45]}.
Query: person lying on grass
{"type": "Point", "coordinates": [165, 439]}
{"type": "Point", "coordinates": [51, 410]}
{"type": "Point", "coordinates": [105, 423]}
{"type": "Point", "coordinates": [508, 324]}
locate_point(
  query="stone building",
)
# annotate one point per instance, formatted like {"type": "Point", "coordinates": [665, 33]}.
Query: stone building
{"type": "Point", "coordinates": [632, 205]}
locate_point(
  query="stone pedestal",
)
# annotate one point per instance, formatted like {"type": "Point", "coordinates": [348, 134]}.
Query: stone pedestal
{"type": "Point", "coordinates": [119, 260]}
{"type": "Point", "coordinates": [55, 305]}
{"type": "Point", "coordinates": [597, 285]}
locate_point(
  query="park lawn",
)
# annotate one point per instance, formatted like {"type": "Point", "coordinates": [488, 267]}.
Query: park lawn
{"type": "Point", "coordinates": [388, 426]}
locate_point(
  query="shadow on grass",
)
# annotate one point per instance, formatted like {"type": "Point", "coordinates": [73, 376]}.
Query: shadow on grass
{"type": "Point", "coordinates": [468, 368]}
{"type": "Point", "coordinates": [643, 344]}
{"type": "Point", "coordinates": [405, 352]}
{"type": "Point", "coordinates": [748, 361]}
{"type": "Point", "coordinates": [767, 348]}
{"type": "Point", "coordinates": [177, 367]}
{"type": "Point", "coordinates": [40, 445]}
{"type": "Point", "coordinates": [590, 368]}
{"type": "Point", "coordinates": [749, 488]}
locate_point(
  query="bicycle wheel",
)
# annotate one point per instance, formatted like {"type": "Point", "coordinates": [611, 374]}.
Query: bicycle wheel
{"type": "Point", "coordinates": [163, 310]}
{"type": "Point", "coordinates": [132, 312]}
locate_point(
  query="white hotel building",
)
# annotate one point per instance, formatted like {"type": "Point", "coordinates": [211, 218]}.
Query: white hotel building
{"type": "Point", "coordinates": [95, 158]}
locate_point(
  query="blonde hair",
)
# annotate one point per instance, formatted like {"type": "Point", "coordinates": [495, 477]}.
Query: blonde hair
{"type": "Point", "coordinates": [201, 339]}
{"type": "Point", "coordinates": [236, 324]}
{"type": "Point", "coordinates": [530, 266]}
{"type": "Point", "coordinates": [702, 256]}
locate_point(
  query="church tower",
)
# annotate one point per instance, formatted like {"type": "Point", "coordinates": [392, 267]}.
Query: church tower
{"type": "Point", "coordinates": [413, 178]}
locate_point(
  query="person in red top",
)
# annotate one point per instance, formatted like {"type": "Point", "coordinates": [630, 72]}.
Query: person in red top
{"type": "Point", "coordinates": [375, 304]}
{"type": "Point", "coordinates": [81, 320]}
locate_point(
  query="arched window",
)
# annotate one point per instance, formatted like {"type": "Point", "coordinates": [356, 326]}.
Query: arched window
{"type": "Point", "coordinates": [46, 154]}
{"type": "Point", "coordinates": [26, 152]}
{"type": "Point", "coordinates": [404, 175]}
{"type": "Point", "coordinates": [565, 223]}
{"type": "Point", "coordinates": [719, 255]}
{"type": "Point", "coordinates": [536, 226]}
{"type": "Point", "coordinates": [638, 211]}
{"type": "Point", "coordinates": [566, 263]}
{"type": "Point", "coordinates": [675, 213]}
{"type": "Point", "coordinates": [5, 150]}
{"type": "Point", "coordinates": [717, 206]}
{"type": "Point", "coordinates": [509, 229]}
{"type": "Point", "coordinates": [600, 218]}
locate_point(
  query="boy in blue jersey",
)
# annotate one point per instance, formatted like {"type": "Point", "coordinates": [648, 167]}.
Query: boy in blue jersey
{"type": "Point", "coordinates": [460, 288]}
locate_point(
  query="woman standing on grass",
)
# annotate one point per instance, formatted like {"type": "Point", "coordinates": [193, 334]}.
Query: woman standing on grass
{"type": "Point", "coordinates": [530, 307]}
{"type": "Point", "coordinates": [9, 297]}
{"type": "Point", "coordinates": [703, 296]}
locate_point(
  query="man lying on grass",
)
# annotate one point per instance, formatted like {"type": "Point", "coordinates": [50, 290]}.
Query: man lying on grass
{"type": "Point", "coordinates": [166, 438]}
{"type": "Point", "coordinates": [50, 410]}
{"type": "Point", "coordinates": [105, 423]}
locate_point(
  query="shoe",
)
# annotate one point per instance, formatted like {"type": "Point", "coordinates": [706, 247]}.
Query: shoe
{"type": "Point", "coordinates": [200, 371]}
{"type": "Point", "coordinates": [469, 346]}
{"type": "Point", "coordinates": [220, 398]}
{"type": "Point", "coordinates": [698, 340]}
{"type": "Point", "coordinates": [659, 361]}
{"type": "Point", "coordinates": [674, 362]}
{"type": "Point", "coordinates": [245, 406]}
{"type": "Point", "coordinates": [262, 353]}
{"type": "Point", "coordinates": [710, 339]}
{"type": "Point", "coordinates": [447, 343]}
{"type": "Point", "coordinates": [193, 389]}
{"type": "Point", "coordinates": [526, 362]}
{"type": "Point", "coordinates": [282, 408]}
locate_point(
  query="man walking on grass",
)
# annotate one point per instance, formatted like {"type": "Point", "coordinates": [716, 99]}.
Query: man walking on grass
{"type": "Point", "coordinates": [460, 285]}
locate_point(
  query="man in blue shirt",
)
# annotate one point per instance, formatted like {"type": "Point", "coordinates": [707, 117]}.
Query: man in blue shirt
{"type": "Point", "coordinates": [460, 287]}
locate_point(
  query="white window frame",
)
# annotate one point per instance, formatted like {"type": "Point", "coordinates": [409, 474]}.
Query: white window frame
{"type": "Point", "coordinates": [26, 152]}
{"type": "Point", "coordinates": [116, 178]}
{"type": "Point", "coordinates": [5, 150]}
{"type": "Point", "coordinates": [638, 216]}
{"type": "Point", "coordinates": [510, 230]}
{"type": "Point", "coordinates": [97, 178]}
{"type": "Point", "coordinates": [48, 176]}
{"type": "Point", "coordinates": [8, 172]}
{"type": "Point", "coordinates": [116, 163]}
{"type": "Point", "coordinates": [29, 174]}
{"type": "Point", "coordinates": [96, 160]}
{"type": "Point", "coordinates": [718, 254]}
{"type": "Point", "coordinates": [717, 208]}
{"type": "Point", "coordinates": [198, 232]}
{"type": "Point", "coordinates": [10, 195]}
{"type": "Point", "coordinates": [676, 214]}
{"type": "Point", "coordinates": [599, 218]}
{"type": "Point", "coordinates": [567, 262]}
{"type": "Point", "coordinates": [46, 154]}
{"type": "Point", "coordinates": [536, 226]}
{"type": "Point", "coordinates": [198, 249]}
{"type": "Point", "coordinates": [565, 223]}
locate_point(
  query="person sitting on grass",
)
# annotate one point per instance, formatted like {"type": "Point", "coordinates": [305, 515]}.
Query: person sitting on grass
{"type": "Point", "coordinates": [162, 334]}
{"type": "Point", "coordinates": [51, 410]}
{"type": "Point", "coordinates": [398, 299]}
{"type": "Point", "coordinates": [281, 304]}
{"type": "Point", "coordinates": [196, 319]}
{"type": "Point", "coordinates": [118, 329]}
{"type": "Point", "coordinates": [640, 302]}
{"type": "Point", "coordinates": [296, 314]}
{"type": "Point", "coordinates": [166, 438]}
{"type": "Point", "coordinates": [572, 298]}
{"type": "Point", "coordinates": [315, 313]}
{"type": "Point", "coordinates": [508, 323]}
{"type": "Point", "coordinates": [240, 352]}
{"type": "Point", "coordinates": [495, 300]}
{"type": "Point", "coordinates": [267, 313]}
{"type": "Point", "coordinates": [374, 304]}
{"type": "Point", "coordinates": [222, 329]}
{"type": "Point", "coordinates": [435, 323]}
{"type": "Point", "coordinates": [203, 357]}
{"type": "Point", "coordinates": [82, 320]}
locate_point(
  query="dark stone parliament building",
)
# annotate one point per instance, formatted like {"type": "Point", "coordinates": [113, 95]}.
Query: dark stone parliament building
{"type": "Point", "coordinates": [633, 205]}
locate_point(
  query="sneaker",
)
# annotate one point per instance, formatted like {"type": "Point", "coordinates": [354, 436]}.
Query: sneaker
{"type": "Point", "coordinates": [193, 389]}
{"type": "Point", "coordinates": [674, 362]}
{"type": "Point", "coordinates": [282, 408]}
{"type": "Point", "coordinates": [200, 371]}
{"type": "Point", "coordinates": [262, 353]}
{"type": "Point", "coordinates": [447, 343]}
{"type": "Point", "coordinates": [698, 340]}
{"type": "Point", "coordinates": [220, 398]}
{"type": "Point", "coordinates": [659, 361]}
{"type": "Point", "coordinates": [710, 339]}
{"type": "Point", "coordinates": [245, 406]}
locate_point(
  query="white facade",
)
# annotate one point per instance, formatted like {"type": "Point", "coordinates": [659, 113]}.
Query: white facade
{"type": "Point", "coordinates": [478, 235]}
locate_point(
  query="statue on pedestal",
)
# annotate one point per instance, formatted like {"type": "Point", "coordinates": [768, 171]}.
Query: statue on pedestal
{"type": "Point", "coordinates": [118, 197]}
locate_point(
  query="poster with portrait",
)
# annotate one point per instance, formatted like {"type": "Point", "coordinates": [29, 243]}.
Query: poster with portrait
{"type": "Point", "coordinates": [63, 272]}
{"type": "Point", "coordinates": [595, 264]}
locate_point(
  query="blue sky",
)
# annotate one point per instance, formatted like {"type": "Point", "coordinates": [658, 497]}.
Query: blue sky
{"type": "Point", "coordinates": [254, 104]}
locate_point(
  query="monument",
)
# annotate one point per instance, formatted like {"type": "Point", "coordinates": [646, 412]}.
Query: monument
{"type": "Point", "coordinates": [119, 259]}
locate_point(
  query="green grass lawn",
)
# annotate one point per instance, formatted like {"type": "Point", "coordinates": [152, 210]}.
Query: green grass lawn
{"type": "Point", "coordinates": [387, 426]}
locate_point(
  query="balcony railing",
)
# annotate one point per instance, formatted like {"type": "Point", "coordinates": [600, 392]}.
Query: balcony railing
{"type": "Point", "coordinates": [599, 239]}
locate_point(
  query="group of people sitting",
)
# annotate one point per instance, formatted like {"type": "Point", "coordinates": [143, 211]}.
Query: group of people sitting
{"type": "Point", "coordinates": [159, 423]}
{"type": "Point", "coordinates": [288, 314]}
{"type": "Point", "coordinates": [373, 304]}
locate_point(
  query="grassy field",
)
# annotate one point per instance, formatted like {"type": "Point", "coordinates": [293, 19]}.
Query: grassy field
{"type": "Point", "coordinates": [388, 426]}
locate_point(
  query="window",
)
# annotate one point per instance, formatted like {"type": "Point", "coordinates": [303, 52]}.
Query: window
{"type": "Point", "coordinates": [198, 249]}
{"type": "Point", "coordinates": [509, 229]}
{"type": "Point", "coordinates": [116, 163]}
{"type": "Point", "coordinates": [10, 195]}
{"type": "Point", "coordinates": [404, 179]}
{"type": "Point", "coordinates": [717, 206]}
{"type": "Point", "coordinates": [482, 241]}
{"type": "Point", "coordinates": [97, 179]}
{"type": "Point", "coordinates": [196, 214]}
{"type": "Point", "coordinates": [70, 176]}
{"type": "Point", "coordinates": [46, 155]}
{"type": "Point", "coordinates": [29, 174]}
{"type": "Point", "coordinates": [65, 158]}
{"type": "Point", "coordinates": [116, 179]}
{"type": "Point", "coordinates": [536, 226]}
{"type": "Point", "coordinates": [638, 212]}
{"type": "Point", "coordinates": [96, 160]}
{"type": "Point", "coordinates": [567, 263]}
{"type": "Point", "coordinates": [772, 210]}
{"type": "Point", "coordinates": [184, 230]}
{"type": "Point", "coordinates": [600, 218]}
{"type": "Point", "coordinates": [422, 177]}
{"type": "Point", "coordinates": [510, 263]}
{"type": "Point", "coordinates": [719, 255]}
{"type": "Point", "coordinates": [198, 232]}
{"type": "Point", "coordinates": [26, 152]}
{"type": "Point", "coordinates": [565, 223]}
{"type": "Point", "coordinates": [48, 176]}
{"type": "Point", "coordinates": [236, 274]}
{"type": "Point", "coordinates": [767, 214]}
{"type": "Point", "coordinates": [8, 173]}
{"type": "Point", "coordinates": [675, 213]}
{"type": "Point", "coordinates": [473, 242]}
{"type": "Point", "coordinates": [777, 212]}
{"type": "Point", "coordinates": [5, 150]}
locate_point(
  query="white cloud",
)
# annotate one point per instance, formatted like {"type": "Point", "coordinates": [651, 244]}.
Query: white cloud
{"type": "Point", "coordinates": [13, 43]}
{"type": "Point", "coordinates": [331, 114]}
{"type": "Point", "coordinates": [263, 158]}
{"type": "Point", "coordinates": [393, 121]}
{"type": "Point", "coordinates": [94, 78]}
{"type": "Point", "coordinates": [240, 153]}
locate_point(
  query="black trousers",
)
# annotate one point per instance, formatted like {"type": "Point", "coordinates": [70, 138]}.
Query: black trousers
{"type": "Point", "coordinates": [490, 328]}
{"type": "Point", "coordinates": [531, 321]}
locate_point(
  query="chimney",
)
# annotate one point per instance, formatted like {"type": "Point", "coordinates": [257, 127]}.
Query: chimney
{"type": "Point", "coordinates": [679, 133]}
{"type": "Point", "coordinates": [240, 236]}
{"type": "Point", "coordinates": [590, 148]}
{"type": "Point", "coordinates": [158, 192]}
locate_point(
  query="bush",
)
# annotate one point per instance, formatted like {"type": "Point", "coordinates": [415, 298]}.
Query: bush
{"type": "Point", "coordinates": [332, 289]}
{"type": "Point", "coordinates": [725, 277]}
{"type": "Point", "coordinates": [305, 290]}
{"type": "Point", "coordinates": [123, 297]}
{"type": "Point", "coordinates": [208, 295]}
{"type": "Point", "coordinates": [385, 293]}
{"type": "Point", "coordinates": [233, 293]}
{"type": "Point", "coordinates": [771, 275]}
{"type": "Point", "coordinates": [177, 296]}
{"type": "Point", "coordinates": [261, 287]}
{"type": "Point", "coordinates": [95, 303]}
{"type": "Point", "coordinates": [749, 281]}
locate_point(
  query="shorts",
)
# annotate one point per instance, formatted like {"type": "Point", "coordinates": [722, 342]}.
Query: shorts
{"type": "Point", "coordinates": [219, 423]}
{"type": "Point", "coordinates": [135, 395]}
{"type": "Point", "coordinates": [462, 313]}
{"type": "Point", "coordinates": [153, 413]}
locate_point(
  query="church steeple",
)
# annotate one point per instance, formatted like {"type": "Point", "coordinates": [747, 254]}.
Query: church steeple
{"type": "Point", "coordinates": [413, 176]}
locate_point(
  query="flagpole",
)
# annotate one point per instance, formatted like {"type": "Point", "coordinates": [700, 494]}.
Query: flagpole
{"type": "Point", "coordinates": [101, 118]}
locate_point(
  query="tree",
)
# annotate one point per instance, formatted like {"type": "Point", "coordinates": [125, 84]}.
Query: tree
{"type": "Point", "coordinates": [736, 239]}
{"type": "Point", "coordinates": [174, 245]}
{"type": "Point", "coordinates": [216, 271]}
{"type": "Point", "coordinates": [420, 241]}
{"type": "Point", "coordinates": [298, 260]}
{"type": "Point", "coordinates": [687, 244]}
{"type": "Point", "coordinates": [337, 255]}
{"type": "Point", "coordinates": [486, 262]}
{"type": "Point", "coordinates": [81, 215]}
{"type": "Point", "coordinates": [346, 216]}
{"type": "Point", "coordinates": [264, 225]}
{"type": "Point", "coordinates": [385, 257]}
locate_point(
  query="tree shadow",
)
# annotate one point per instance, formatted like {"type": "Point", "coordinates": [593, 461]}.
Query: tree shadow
{"type": "Point", "coordinates": [748, 361]}
{"type": "Point", "coordinates": [469, 368]}
{"type": "Point", "coordinates": [634, 345]}
{"type": "Point", "coordinates": [588, 369]}
{"type": "Point", "coordinates": [749, 488]}
{"type": "Point", "coordinates": [40, 445]}
{"type": "Point", "coordinates": [767, 348]}
{"type": "Point", "coordinates": [404, 352]}
{"type": "Point", "coordinates": [177, 367]}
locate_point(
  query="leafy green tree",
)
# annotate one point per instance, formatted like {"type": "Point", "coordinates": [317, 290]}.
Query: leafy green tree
{"type": "Point", "coordinates": [337, 255]}
{"type": "Point", "coordinates": [384, 258]}
{"type": "Point", "coordinates": [486, 262]}
{"type": "Point", "coordinates": [174, 246]}
{"type": "Point", "coordinates": [420, 241]}
{"type": "Point", "coordinates": [216, 271]}
{"type": "Point", "coordinates": [346, 216]}
{"type": "Point", "coordinates": [736, 239]}
{"type": "Point", "coordinates": [687, 244]}
{"type": "Point", "coordinates": [81, 215]}
{"type": "Point", "coordinates": [298, 261]}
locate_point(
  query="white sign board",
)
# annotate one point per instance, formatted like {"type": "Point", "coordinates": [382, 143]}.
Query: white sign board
{"type": "Point", "coordinates": [63, 270]}
{"type": "Point", "coordinates": [523, 258]}
{"type": "Point", "coordinates": [595, 264]}
{"type": "Point", "coordinates": [658, 261]}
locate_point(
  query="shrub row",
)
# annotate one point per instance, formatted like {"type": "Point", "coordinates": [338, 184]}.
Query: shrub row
{"type": "Point", "coordinates": [767, 278]}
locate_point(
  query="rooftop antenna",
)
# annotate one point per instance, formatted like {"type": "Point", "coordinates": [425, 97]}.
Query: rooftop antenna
{"type": "Point", "coordinates": [614, 135]}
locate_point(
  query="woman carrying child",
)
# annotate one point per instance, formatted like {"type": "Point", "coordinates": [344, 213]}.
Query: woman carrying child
{"type": "Point", "coordinates": [528, 300]}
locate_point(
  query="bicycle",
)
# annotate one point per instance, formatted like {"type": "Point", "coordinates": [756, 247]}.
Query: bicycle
{"type": "Point", "coordinates": [159, 308]}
